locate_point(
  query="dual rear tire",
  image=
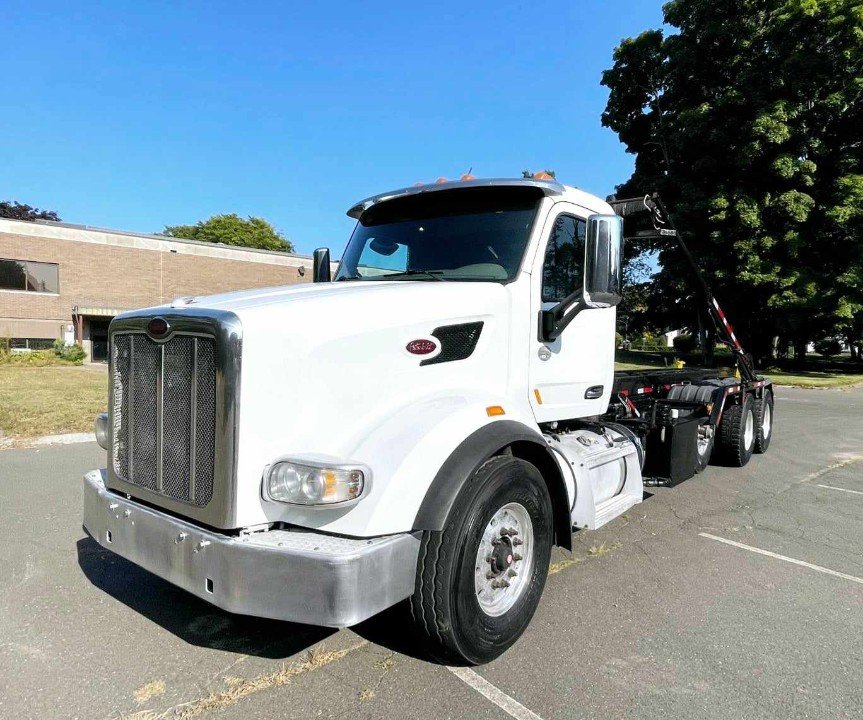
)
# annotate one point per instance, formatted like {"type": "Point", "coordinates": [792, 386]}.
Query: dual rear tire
{"type": "Point", "coordinates": [745, 429]}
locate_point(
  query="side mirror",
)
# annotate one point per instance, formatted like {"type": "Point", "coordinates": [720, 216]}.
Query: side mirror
{"type": "Point", "coordinates": [321, 265]}
{"type": "Point", "coordinates": [603, 274]}
{"type": "Point", "coordinates": [603, 261]}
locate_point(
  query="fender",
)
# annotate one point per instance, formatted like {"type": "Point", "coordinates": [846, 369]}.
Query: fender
{"type": "Point", "coordinates": [490, 440]}
{"type": "Point", "coordinates": [412, 447]}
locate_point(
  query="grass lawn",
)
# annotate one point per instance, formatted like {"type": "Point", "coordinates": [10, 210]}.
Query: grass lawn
{"type": "Point", "coordinates": [48, 400]}
{"type": "Point", "coordinates": [637, 366]}
{"type": "Point", "coordinates": [806, 379]}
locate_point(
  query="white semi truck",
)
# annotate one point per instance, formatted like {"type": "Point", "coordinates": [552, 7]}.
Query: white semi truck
{"type": "Point", "coordinates": [426, 425]}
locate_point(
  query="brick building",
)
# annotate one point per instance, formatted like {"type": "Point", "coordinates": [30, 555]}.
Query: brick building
{"type": "Point", "coordinates": [67, 281]}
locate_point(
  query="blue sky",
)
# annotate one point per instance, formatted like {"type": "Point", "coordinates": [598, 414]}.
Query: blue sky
{"type": "Point", "coordinates": [135, 115]}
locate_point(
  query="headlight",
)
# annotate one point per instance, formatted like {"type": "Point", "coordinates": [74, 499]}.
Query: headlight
{"type": "Point", "coordinates": [101, 430]}
{"type": "Point", "coordinates": [308, 483]}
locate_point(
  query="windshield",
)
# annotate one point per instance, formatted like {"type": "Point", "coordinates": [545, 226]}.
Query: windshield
{"type": "Point", "coordinates": [465, 234]}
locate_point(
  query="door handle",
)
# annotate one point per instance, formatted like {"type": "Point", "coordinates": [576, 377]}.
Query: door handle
{"type": "Point", "coordinates": [594, 392]}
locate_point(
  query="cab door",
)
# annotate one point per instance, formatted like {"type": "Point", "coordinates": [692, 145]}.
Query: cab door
{"type": "Point", "coordinates": [570, 377]}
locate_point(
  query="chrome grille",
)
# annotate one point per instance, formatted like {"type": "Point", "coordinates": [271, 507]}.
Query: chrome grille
{"type": "Point", "coordinates": [164, 415]}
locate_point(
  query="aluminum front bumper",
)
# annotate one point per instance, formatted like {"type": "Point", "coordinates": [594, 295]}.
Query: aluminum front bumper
{"type": "Point", "coordinates": [300, 576]}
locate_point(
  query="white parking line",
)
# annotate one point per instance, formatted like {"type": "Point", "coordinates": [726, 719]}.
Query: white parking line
{"type": "Point", "coordinates": [511, 707]}
{"type": "Point", "coordinates": [826, 571]}
{"type": "Point", "coordinates": [830, 487]}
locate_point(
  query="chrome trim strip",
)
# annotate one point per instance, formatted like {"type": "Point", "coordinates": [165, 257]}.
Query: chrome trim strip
{"type": "Point", "coordinates": [193, 420]}
{"type": "Point", "coordinates": [160, 421]}
{"type": "Point", "coordinates": [227, 331]}
{"type": "Point", "coordinates": [130, 403]}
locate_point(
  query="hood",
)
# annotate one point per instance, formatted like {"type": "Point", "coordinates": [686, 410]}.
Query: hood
{"type": "Point", "coordinates": [329, 312]}
{"type": "Point", "coordinates": [324, 365]}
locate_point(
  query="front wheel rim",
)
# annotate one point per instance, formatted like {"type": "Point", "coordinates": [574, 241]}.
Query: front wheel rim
{"type": "Point", "coordinates": [504, 560]}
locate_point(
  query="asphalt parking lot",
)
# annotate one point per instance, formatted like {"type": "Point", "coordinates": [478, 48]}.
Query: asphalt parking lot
{"type": "Point", "coordinates": [738, 594]}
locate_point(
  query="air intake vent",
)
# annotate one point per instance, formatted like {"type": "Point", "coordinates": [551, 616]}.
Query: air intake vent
{"type": "Point", "coordinates": [457, 342]}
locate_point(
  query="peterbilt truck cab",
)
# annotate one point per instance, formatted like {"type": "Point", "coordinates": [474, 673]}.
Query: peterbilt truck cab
{"type": "Point", "coordinates": [424, 425]}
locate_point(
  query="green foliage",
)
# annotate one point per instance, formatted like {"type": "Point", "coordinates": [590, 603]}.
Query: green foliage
{"type": "Point", "coordinates": [59, 354]}
{"type": "Point", "coordinates": [685, 344]}
{"type": "Point", "coordinates": [618, 340]}
{"type": "Point", "coordinates": [19, 211]}
{"type": "Point", "coordinates": [70, 353]}
{"type": "Point", "coordinates": [253, 232]}
{"type": "Point", "coordinates": [747, 120]}
{"type": "Point", "coordinates": [649, 341]}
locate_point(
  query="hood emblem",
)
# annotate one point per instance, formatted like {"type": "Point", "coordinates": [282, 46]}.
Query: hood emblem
{"type": "Point", "coordinates": [158, 327]}
{"type": "Point", "coordinates": [421, 347]}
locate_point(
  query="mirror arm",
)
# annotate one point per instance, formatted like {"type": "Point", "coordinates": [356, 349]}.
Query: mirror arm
{"type": "Point", "coordinates": [554, 321]}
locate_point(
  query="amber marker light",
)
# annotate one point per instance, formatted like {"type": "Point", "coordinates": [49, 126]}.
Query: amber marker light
{"type": "Point", "coordinates": [537, 395]}
{"type": "Point", "coordinates": [494, 410]}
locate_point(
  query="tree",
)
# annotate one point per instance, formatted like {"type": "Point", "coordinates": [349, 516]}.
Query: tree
{"type": "Point", "coordinates": [747, 121]}
{"type": "Point", "coordinates": [18, 211]}
{"type": "Point", "coordinates": [253, 232]}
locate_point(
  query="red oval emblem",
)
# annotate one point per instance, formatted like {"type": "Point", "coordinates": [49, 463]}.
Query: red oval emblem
{"type": "Point", "coordinates": [157, 327]}
{"type": "Point", "coordinates": [420, 347]}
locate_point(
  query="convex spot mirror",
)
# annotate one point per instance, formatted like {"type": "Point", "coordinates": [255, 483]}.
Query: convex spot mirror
{"type": "Point", "coordinates": [603, 262]}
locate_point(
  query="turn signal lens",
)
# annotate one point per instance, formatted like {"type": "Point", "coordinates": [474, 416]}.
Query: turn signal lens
{"type": "Point", "coordinates": [307, 484]}
{"type": "Point", "coordinates": [101, 430]}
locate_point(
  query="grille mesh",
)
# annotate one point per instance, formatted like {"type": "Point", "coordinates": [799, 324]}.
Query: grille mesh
{"type": "Point", "coordinates": [164, 396]}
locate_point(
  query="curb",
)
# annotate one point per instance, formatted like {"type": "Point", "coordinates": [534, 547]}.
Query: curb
{"type": "Point", "coordinates": [44, 440]}
{"type": "Point", "coordinates": [64, 439]}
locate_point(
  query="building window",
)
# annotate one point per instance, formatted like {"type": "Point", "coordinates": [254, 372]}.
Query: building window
{"type": "Point", "coordinates": [25, 344]}
{"type": "Point", "coordinates": [29, 276]}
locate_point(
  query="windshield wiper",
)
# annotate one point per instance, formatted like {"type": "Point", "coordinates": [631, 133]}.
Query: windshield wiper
{"type": "Point", "coordinates": [430, 274]}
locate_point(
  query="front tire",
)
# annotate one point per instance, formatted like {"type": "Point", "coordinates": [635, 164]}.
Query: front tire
{"type": "Point", "coordinates": [478, 582]}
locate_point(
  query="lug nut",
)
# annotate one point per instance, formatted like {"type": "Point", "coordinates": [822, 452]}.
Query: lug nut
{"type": "Point", "coordinates": [516, 557]}
{"type": "Point", "coordinates": [511, 572]}
{"type": "Point", "coordinates": [500, 584]}
{"type": "Point", "coordinates": [516, 541]}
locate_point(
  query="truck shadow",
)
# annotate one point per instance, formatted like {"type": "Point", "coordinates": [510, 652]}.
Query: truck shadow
{"type": "Point", "coordinates": [188, 617]}
{"type": "Point", "coordinates": [394, 629]}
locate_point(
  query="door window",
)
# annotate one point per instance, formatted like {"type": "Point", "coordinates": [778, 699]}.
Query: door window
{"type": "Point", "coordinates": [563, 269]}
